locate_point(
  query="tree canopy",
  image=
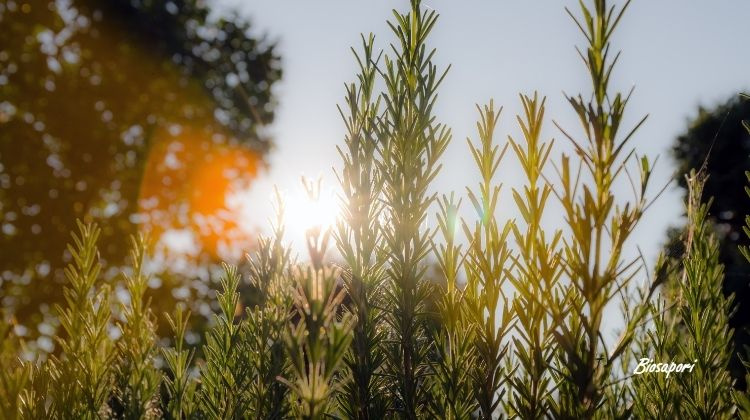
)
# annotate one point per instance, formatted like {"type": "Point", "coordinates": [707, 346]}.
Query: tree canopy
{"type": "Point", "coordinates": [124, 111]}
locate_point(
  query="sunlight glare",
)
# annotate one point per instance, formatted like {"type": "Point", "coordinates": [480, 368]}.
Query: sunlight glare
{"type": "Point", "coordinates": [303, 213]}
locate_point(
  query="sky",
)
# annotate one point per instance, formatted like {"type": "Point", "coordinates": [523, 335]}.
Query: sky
{"type": "Point", "coordinates": [677, 54]}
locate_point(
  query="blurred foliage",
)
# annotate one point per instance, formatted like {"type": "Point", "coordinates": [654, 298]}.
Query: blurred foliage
{"type": "Point", "coordinates": [99, 103]}
{"type": "Point", "coordinates": [717, 139]}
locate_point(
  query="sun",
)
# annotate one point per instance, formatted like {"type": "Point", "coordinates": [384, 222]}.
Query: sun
{"type": "Point", "coordinates": [311, 207]}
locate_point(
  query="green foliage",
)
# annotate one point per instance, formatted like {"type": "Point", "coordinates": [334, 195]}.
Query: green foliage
{"type": "Point", "coordinates": [243, 357]}
{"type": "Point", "coordinates": [318, 340]}
{"type": "Point", "coordinates": [35, 397]}
{"type": "Point", "coordinates": [655, 396]}
{"type": "Point", "coordinates": [705, 312]}
{"type": "Point", "coordinates": [743, 398]}
{"type": "Point", "coordinates": [82, 376]}
{"type": "Point", "coordinates": [411, 145]}
{"type": "Point", "coordinates": [599, 224]}
{"type": "Point", "coordinates": [489, 310]}
{"type": "Point", "coordinates": [695, 330]}
{"type": "Point", "coordinates": [180, 387]}
{"type": "Point", "coordinates": [537, 272]}
{"type": "Point", "coordinates": [262, 332]}
{"type": "Point", "coordinates": [14, 376]}
{"type": "Point", "coordinates": [138, 379]}
{"type": "Point", "coordinates": [452, 382]}
{"type": "Point", "coordinates": [358, 236]}
{"type": "Point", "coordinates": [225, 375]}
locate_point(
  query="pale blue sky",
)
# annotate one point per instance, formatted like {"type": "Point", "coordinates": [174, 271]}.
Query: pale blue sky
{"type": "Point", "coordinates": [677, 53]}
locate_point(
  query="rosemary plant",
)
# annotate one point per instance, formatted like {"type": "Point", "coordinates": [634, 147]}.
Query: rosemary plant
{"type": "Point", "coordinates": [654, 395]}
{"type": "Point", "coordinates": [536, 272]}
{"type": "Point", "coordinates": [699, 332]}
{"type": "Point", "coordinates": [83, 375]}
{"type": "Point", "coordinates": [137, 376]}
{"type": "Point", "coordinates": [742, 399]}
{"type": "Point", "coordinates": [180, 387]}
{"type": "Point", "coordinates": [34, 399]}
{"type": "Point", "coordinates": [225, 376]}
{"type": "Point", "coordinates": [411, 146]}
{"type": "Point", "coordinates": [452, 384]}
{"type": "Point", "coordinates": [262, 331]}
{"type": "Point", "coordinates": [705, 315]}
{"type": "Point", "coordinates": [599, 225]}
{"type": "Point", "coordinates": [358, 237]}
{"type": "Point", "coordinates": [486, 268]}
{"type": "Point", "coordinates": [14, 376]}
{"type": "Point", "coordinates": [319, 338]}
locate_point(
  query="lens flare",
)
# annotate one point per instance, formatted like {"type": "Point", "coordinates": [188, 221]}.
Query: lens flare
{"type": "Point", "coordinates": [187, 186]}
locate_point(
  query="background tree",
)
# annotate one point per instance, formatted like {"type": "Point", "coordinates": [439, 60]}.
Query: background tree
{"type": "Point", "coordinates": [121, 111]}
{"type": "Point", "coordinates": [717, 139]}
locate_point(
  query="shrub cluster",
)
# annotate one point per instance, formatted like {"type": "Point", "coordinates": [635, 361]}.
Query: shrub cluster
{"type": "Point", "coordinates": [510, 323]}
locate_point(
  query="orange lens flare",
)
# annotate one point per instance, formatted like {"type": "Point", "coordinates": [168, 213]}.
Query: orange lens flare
{"type": "Point", "coordinates": [186, 181]}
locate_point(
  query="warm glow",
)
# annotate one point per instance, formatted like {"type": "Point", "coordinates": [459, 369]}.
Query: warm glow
{"type": "Point", "coordinates": [303, 213]}
{"type": "Point", "coordinates": [186, 198]}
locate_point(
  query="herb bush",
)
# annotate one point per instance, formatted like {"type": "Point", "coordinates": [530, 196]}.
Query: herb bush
{"type": "Point", "coordinates": [513, 327]}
